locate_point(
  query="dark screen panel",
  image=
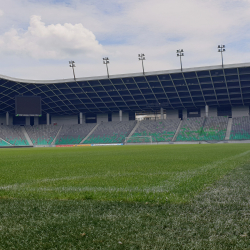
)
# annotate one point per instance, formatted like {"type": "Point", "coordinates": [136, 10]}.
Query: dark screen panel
{"type": "Point", "coordinates": [28, 106]}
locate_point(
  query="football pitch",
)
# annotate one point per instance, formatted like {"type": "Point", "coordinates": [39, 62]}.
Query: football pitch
{"type": "Point", "coordinates": [126, 197]}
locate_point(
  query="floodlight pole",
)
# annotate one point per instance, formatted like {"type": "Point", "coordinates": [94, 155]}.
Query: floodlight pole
{"type": "Point", "coordinates": [72, 65]}
{"type": "Point", "coordinates": [106, 61]}
{"type": "Point", "coordinates": [180, 53]}
{"type": "Point", "coordinates": [221, 49]}
{"type": "Point", "coordinates": [141, 58]}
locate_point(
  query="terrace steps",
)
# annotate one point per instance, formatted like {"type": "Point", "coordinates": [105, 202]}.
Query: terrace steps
{"type": "Point", "coordinates": [27, 136]}
{"type": "Point", "coordinates": [177, 131]}
{"type": "Point", "coordinates": [54, 141]}
{"type": "Point", "coordinates": [229, 128]}
{"type": "Point", "coordinates": [133, 130]}
{"type": "Point", "coordinates": [90, 133]}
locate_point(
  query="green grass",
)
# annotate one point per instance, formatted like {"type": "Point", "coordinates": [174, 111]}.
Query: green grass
{"type": "Point", "coordinates": [132, 173]}
{"type": "Point", "coordinates": [115, 197]}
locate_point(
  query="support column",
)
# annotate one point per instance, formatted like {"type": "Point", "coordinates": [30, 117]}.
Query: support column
{"type": "Point", "coordinates": [27, 120]}
{"type": "Point", "coordinates": [162, 114]}
{"type": "Point", "coordinates": [36, 120]}
{"type": "Point", "coordinates": [120, 115]}
{"type": "Point", "coordinates": [48, 119]}
{"type": "Point", "coordinates": [7, 118]}
{"type": "Point", "coordinates": [206, 110]}
{"type": "Point", "coordinates": [80, 117]}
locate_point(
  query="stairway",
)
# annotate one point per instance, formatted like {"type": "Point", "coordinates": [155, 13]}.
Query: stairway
{"type": "Point", "coordinates": [27, 136]}
{"type": "Point", "coordinates": [54, 141]}
{"type": "Point", "coordinates": [177, 131]}
{"type": "Point", "coordinates": [229, 128]}
{"type": "Point", "coordinates": [90, 133]}
{"type": "Point", "coordinates": [133, 130]}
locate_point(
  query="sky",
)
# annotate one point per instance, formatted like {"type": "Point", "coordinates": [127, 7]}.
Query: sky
{"type": "Point", "coordinates": [39, 38]}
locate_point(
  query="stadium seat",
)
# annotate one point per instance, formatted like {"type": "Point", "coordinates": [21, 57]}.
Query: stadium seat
{"type": "Point", "coordinates": [73, 134]}
{"type": "Point", "coordinates": [13, 135]}
{"type": "Point", "coordinates": [240, 128]}
{"type": "Point", "coordinates": [111, 132]}
{"type": "Point", "coordinates": [42, 134]}
{"type": "Point", "coordinates": [159, 130]}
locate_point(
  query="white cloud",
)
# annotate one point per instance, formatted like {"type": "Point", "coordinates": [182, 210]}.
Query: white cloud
{"type": "Point", "coordinates": [54, 41]}
{"type": "Point", "coordinates": [1, 13]}
{"type": "Point", "coordinates": [123, 28]}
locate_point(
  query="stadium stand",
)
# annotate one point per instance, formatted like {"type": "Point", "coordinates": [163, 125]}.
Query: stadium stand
{"type": "Point", "coordinates": [73, 134]}
{"type": "Point", "coordinates": [111, 132]}
{"type": "Point", "coordinates": [42, 134]}
{"type": "Point", "coordinates": [214, 129]}
{"type": "Point", "coordinates": [191, 129]}
{"type": "Point", "coordinates": [3, 143]}
{"type": "Point", "coordinates": [13, 135]}
{"type": "Point", "coordinates": [240, 128]}
{"type": "Point", "coordinates": [159, 130]}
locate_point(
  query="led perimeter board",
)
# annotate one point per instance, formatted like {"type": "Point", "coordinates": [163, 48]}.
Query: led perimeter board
{"type": "Point", "coordinates": [28, 106]}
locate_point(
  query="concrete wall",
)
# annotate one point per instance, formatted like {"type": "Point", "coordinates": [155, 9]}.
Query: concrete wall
{"type": "Point", "coordinates": [2, 120]}
{"type": "Point", "coordinates": [27, 120]}
{"type": "Point", "coordinates": [102, 118]}
{"type": "Point", "coordinates": [11, 120]}
{"type": "Point", "coordinates": [125, 116]}
{"type": "Point", "coordinates": [184, 113]}
{"type": "Point", "coordinates": [36, 120]}
{"type": "Point", "coordinates": [240, 111]}
{"type": "Point", "coordinates": [116, 118]}
{"type": "Point", "coordinates": [172, 114]}
{"type": "Point", "coordinates": [203, 113]}
{"type": "Point", "coordinates": [212, 112]}
{"type": "Point", "coordinates": [67, 120]}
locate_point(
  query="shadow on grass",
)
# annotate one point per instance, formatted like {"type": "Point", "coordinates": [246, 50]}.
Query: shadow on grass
{"type": "Point", "coordinates": [218, 218]}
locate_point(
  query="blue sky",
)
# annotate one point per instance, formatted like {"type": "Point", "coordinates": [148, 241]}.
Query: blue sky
{"type": "Point", "coordinates": [38, 38]}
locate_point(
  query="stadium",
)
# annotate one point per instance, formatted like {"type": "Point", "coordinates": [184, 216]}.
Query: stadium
{"type": "Point", "coordinates": [205, 104]}
{"type": "Point", "coordinates": [174, 173]}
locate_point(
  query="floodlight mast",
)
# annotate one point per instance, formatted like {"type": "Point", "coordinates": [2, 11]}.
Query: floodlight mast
{"type": "Point", "coordinates": [141, 58]}
{"type": "Point", "coordinates": [180, 53]}
{"type": "Point", "coordinates": [72, 65]}
{"type": "Point", "coordinates": [221, 49]}
{"type": "Point", "coordinates": [106, 61]}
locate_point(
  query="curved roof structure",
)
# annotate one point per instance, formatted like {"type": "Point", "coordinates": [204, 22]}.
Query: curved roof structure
{"type": "Point", "coordinates": [171, 89]}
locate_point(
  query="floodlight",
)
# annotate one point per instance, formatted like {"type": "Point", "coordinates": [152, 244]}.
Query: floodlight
{"type": "Point", "coordinates": [72, 65]}
{"type": "Point", "coordinates": [106, 61]}
{"type": "Point", "coordinates": [180, 54]}
{"type": "Point", "coordinates": [141, 58]}
{"type": "Point", "coordinates": [221, 49]}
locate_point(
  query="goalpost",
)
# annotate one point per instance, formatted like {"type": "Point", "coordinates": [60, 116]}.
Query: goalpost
{"type": "Point", "coordinates": [139, 139]}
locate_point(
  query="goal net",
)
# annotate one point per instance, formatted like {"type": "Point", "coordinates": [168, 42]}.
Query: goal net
{"type": "Point", "coordinates": [138, 139]}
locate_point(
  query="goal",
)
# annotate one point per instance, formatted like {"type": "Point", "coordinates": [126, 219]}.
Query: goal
{"type": "Point", "coordinates": [138, 139]}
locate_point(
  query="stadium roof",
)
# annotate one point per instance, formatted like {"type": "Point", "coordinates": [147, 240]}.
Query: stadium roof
{"type": "Point", "coordinates": [171, 89]}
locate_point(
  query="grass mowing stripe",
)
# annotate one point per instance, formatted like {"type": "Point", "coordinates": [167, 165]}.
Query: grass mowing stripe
{"type": "Point", "coordinates": [218, 218]}
{"type": "Point", "coordinates": [121, 174]}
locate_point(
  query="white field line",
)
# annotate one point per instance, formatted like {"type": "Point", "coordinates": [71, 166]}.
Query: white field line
{"type": "Point", "coordinates": [173, 179]}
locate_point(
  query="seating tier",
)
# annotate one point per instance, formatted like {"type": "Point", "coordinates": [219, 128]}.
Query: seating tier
{"type": "Point", "coordinates": [42, 134]}
{"type": "Point", "coordinates": [191, 129]}
{"type": "Point", "coordinates": [73, 134]}
{"type": "Point", "coordinates": [214, 129]}
{"type": "Point", "coordinates": [111, 132]}
{"type": "Point", "coordinates": [14, 135]}
{"type": "Point", "coordinates": [240, 128]}
{"type": "Point", "coordinates": [159, 130]}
